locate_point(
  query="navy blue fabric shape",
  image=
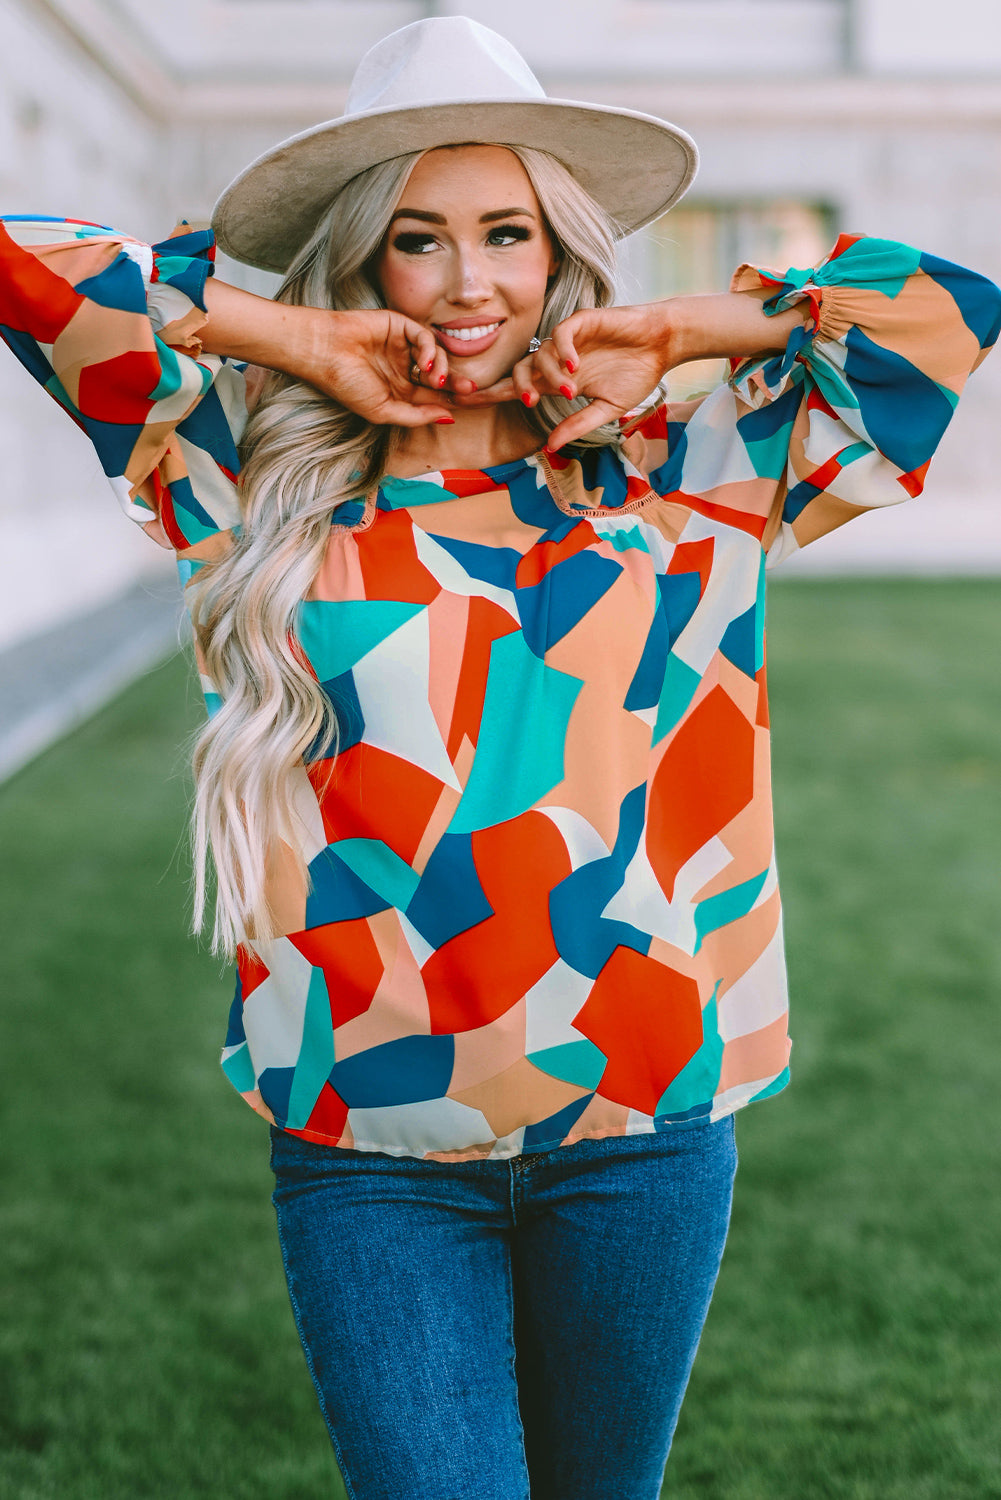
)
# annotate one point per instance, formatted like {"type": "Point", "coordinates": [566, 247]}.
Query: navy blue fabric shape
{"type": "Point", "coordinates": [603, 471]}
{"type": "Point", "coordinates": [978, 299]}
{"type": "Point", "coordinates": [208, 428]}
{"type": "Point", "coordinates": [348, 513]}
{"type": "Point", "coordinates": [739, 643]}
{"type": "Point", "coordinates": [343, 698]}
{"type": "Point", "coordinates": [799, 498]}
{"type": "Point", "coordinates": [449, 898]}
{"type": "Point", "coordinates": [532, 505]}
{"type": "Point", "coordinates": [904, 412]}
{"type": "Point", "coordinates": [113, 441]}
{"type": "Point", "coordinates": [679, 598]}
{"type": "Point", "coordinates": [404, 1071]}
{"type": "Point", "coordinates": [496, 565]}
{"type": "Point", "coordinates": [555, 1128]}
{"type": "Point", "coordinates": [648, 682]}
{"type": "Point", "coordinates": [119, 285]}
{"type": "Point", "coordinates": [196, 244]}
{"type": "Point", "coordinates": [235, 1033]}
{"type": "Point", "coordinates": [548, 610]}
{"type": "Point", "coordinates": [28, 352]}
{"type": "Point", "coordinates": [667, 478]}
{"type": "Point", "coordinates": [275, 1085]}
{"type": "Point", "coordinates": [584, 938]}
{"type": "Point", "coordinates": [338, 894]}
{"type": "Point", "coordinates": [763, 423]}
{"type": "Point", "coordinates": [183, 497]}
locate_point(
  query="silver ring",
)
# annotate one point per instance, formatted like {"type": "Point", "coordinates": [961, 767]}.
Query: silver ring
{"type": "Point", "coordinates": [534, 345]}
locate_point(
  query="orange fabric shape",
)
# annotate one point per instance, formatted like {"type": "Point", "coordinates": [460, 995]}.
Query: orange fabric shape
{"type": "Point", "coordinates": [374, 794]}
{"type": "Point", "coordinates": [741, 520]}
{"type": "Point", "coordinates": [487, 622]}
{"type": "Point", "coordinates": [705, 778]}
{"type": "Point", "coordinates": [328, 1118]}
{"type": "Point", "coordinates": [914, 482]}
{"type": "Point", "coordinates": [349, 958]}
{"type": "Point", "coordinates": [390, 566]}
{"type": "Point", "coordinates": [762, 718]}
{"type": "Point", "coordinates": [253, 971]}
{"type": "Point", "coordinates": [31, 295]}
{"type": "Point", "coordinates": [694, 557]}
{"type": "Point", "coordinates": [118, 389]}
{"type": "Point", "coordinates": [648, 1042]}
{"type": "Point", "coordinates": [462, 482]}
{"type": "Point", "coordinates": [543, 557]}
{"type": "Point", "coordinates": [518, 864]}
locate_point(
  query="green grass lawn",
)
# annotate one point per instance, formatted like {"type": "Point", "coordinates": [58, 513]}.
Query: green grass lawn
{"type": "Point", "coordinates": [146, 1345]}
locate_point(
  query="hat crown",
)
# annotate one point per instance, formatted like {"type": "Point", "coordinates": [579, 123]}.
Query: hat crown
{"type": "Point", "coordinates": [440, 59]}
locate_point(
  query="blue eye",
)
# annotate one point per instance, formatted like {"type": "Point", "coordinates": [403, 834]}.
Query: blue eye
{"type": "Point", "coordinates": [413, 243]}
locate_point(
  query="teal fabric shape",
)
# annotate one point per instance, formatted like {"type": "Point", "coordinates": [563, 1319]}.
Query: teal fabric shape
{"type": "Point", "coordinates": [580, 1062]}
{"type": "Point", "coordinates": [239, 1069]}
{"type": "Point", "coordinates": [335, 635]}
{"type": "Point", "coordinates": [883, 265]}
{"type": "Point", "coordinates": [400, 494]}
{"type": "Point", "coordinates": [775, 1087]}
{"type": "Point", "coordinates": [680, 684]}
{"type": "Point", "coordinates": [624, 539]}
{"type": "Point", "coordinates": [727, 906]}
{"type": "Point", "coordinates": [381, 868]}
{"type": "Point", "coordinates": [509, 775]}
{"type": "Point", "coordinates": [316, 1055]}
{"type": "Point", "coordinates": [699, 1078]}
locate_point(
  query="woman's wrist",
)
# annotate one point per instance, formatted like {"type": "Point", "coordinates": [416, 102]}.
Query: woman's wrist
{"type": "Point", "coordinates": [723, 325]}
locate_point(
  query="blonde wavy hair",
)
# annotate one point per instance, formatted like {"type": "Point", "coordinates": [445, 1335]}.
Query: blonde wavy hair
{"type": "Point", "coordinates": [303, 454]}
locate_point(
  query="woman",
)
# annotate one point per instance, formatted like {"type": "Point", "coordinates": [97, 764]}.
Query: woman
{"type": "Point", "coordinates": [485, 789]}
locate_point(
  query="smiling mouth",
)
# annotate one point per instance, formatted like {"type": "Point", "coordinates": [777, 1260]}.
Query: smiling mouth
{"type": "Point", "coordinates": [467, 335]}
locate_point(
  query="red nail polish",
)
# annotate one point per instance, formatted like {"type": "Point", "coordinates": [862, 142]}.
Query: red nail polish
{"type": "Point", "coordinates": [566, 391]}
{"type": "Point", "coordinates": [450, 421]}
{"type": "Point", "coordinates": [474, 385]}
{"type": "Point", "coordinates": [570, 366]}
{"type": "Point", "coordinates": [442, 381]}
{"type": "Point", "coordinates": [526, 397]}
{"type": "Point", "coordinates": [427, 367]}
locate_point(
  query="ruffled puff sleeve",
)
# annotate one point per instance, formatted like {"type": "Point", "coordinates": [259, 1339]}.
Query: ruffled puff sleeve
{"type": "Point", "coordinates": [110, 327]}
{"type": "Point", "coordinates": [848, 418]}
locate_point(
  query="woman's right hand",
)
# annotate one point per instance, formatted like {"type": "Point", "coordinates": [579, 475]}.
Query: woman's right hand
{"type": "Point", "coordinates": [364, 360]}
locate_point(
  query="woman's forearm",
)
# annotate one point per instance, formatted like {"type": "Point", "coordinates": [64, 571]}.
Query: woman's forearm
{"type": "Point", "coordinates": [725, 325]}
{"type": "Point", "coordinates": [247, 327]}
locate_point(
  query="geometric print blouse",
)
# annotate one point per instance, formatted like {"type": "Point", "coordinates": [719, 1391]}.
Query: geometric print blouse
{"type": "Point", "coordinates": [542, 901]}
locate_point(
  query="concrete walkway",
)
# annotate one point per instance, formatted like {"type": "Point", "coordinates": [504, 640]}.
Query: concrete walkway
{"type": "Point", "coordinates": [51, 682]}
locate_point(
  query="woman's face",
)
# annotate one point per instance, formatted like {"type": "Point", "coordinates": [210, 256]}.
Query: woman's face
{"type": "Point", "coordinates": [468, 253]}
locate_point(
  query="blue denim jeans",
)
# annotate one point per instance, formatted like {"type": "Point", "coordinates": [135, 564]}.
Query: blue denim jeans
{"type": "Point", "coordinates": [494, 1330]}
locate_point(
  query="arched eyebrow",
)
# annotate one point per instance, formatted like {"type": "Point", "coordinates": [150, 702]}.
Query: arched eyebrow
{"type": "Point", "coordinates": [426, 217]}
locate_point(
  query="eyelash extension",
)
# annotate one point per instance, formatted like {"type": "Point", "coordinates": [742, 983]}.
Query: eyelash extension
{"type": "Point", "coordinates": [513, 231]}
{"type": "Point", "coordinates": [411, 242]}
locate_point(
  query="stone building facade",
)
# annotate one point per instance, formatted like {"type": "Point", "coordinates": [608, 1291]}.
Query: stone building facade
{"type": "Point", "coordinates": [874, 115]}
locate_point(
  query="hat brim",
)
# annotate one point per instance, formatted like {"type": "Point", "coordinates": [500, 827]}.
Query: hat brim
{"type": "Point", "coordinates": [634, 165]}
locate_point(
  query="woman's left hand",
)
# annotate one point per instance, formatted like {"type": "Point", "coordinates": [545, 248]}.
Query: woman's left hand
{"type": "Point", "coordinates": [614, 356]}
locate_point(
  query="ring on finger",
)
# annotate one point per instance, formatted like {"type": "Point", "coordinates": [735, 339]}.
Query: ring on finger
{"type": "Point", "coordinates": [415, 373]}
{"type": "Point", "coordinates": [534, 344]}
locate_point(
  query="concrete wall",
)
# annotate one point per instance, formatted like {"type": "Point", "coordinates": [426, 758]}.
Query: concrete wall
{"type": "Point", "coordinates": [887, 111]}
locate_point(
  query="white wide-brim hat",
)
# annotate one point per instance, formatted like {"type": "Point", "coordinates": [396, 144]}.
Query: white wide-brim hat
{"type": "Point", "coordinates": [447, 81]}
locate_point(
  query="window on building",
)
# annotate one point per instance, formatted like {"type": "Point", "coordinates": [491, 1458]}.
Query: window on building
{"type": "Point", "coordinates": [698, 246]}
